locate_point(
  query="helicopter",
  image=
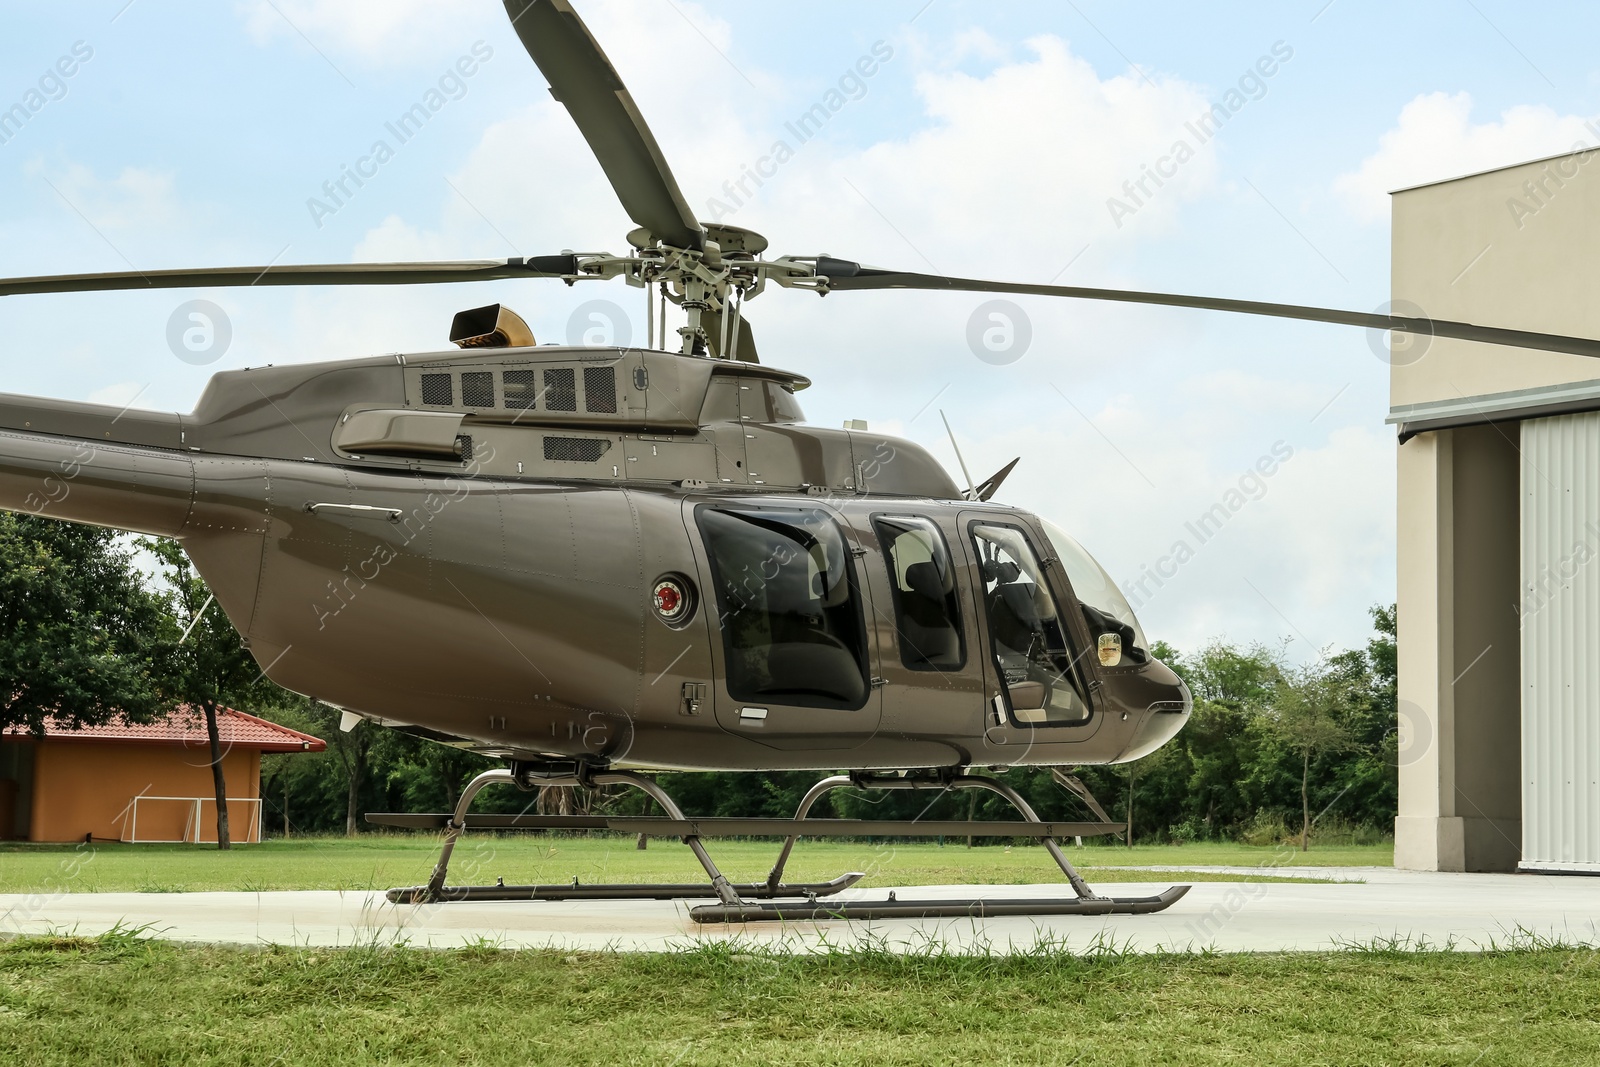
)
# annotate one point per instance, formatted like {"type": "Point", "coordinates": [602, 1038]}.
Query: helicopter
{"type": "Point", "coordinates": [594, 562]}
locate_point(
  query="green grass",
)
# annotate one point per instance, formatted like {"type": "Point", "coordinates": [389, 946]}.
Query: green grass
{"type": "Point", "coordinates": [121, 1000]}
{"type": "Point", "coordinates": [383, 861]}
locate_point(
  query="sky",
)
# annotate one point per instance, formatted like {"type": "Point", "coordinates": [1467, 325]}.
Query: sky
{"type": "Point", "coordinates": [1003, 140]}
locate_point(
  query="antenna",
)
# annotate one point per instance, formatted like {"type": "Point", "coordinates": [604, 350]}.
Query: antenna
{"type": "Point", "coordinates": [971, 493]}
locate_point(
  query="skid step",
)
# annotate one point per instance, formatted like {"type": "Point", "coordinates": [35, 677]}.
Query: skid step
{"type": "Point", "coordinates": [990, 908]}
{"type": "Point", "coordinates": [420, 894]}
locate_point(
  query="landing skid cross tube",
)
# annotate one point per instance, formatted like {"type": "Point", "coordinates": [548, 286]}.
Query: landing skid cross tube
{"type": "Point", "coordinates": [435, 890]}
{"type": "Point", "coordinates": [772, 899]}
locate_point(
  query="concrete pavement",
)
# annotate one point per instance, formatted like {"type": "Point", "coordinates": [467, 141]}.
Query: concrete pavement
{"type": "Point", "coordinates": [1467, 910]}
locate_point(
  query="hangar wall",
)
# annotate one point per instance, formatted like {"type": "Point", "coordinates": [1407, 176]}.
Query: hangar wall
{"type": "Point", "coordinates": [1514, 247]}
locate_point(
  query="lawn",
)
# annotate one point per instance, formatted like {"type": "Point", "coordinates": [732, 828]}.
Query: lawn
{"type": "Point", "coordinates": [382, 861]}
{"type": "Point", "coordinates": [120, 1000]}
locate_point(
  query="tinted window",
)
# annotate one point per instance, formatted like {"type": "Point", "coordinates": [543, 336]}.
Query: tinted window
{"type": "Point", "coordinates": [926, 610]}
{"type": "Point", "coordinates": [789, 610]}
{"type": "Point", "coordinates": [1028, 635]}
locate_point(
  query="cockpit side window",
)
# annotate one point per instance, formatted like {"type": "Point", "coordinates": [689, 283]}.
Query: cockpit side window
{"type": "Point", "coordinates": [789, 607]}
{"type": "Point", "coordinates": [1032, 652]}
{"type": "Point", "coordinates": [926, 607]}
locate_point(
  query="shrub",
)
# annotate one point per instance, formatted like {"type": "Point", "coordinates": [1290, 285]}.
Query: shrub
{"type": "Point", "coordinates": [1267, 828]}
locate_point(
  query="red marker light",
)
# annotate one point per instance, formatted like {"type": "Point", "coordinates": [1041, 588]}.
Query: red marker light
{"type": "Point", "coordinates": [671, 600]}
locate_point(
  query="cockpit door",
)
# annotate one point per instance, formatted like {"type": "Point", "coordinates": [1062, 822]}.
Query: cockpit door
{"type": "Point", "coordinates": [932, 658]}
{"type": "Point", "coordinates": [1040, 687]}
{"type": "Point", "coordinates": [795, 658]}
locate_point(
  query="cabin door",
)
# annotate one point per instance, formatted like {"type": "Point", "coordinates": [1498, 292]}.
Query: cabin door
{"type": "Point", "coordinates": [795, 657]}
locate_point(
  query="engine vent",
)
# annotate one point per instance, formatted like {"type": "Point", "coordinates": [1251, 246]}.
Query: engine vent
{"type": "Point", "coordinates": [600, 389]}
{"type": "Point", "coordinates": [438, 391]}
{"type": "Point", "coordinates": [561, 389]}
{"type": "Point", "coordinates": [575, 449]}
{"type": "Point", "coordinates": [477, 389]}
{"type": "Point", "coordinates": [521, 389]}
{"type": "Point", "coordinates": [464, 447]}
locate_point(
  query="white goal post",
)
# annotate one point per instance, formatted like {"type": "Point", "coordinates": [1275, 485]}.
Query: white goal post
{"type": "Point", "coordinates": [193, 821]}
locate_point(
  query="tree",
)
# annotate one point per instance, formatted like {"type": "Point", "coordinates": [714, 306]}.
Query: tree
{"type": "Point", "coordinates": [79, 625]}
{"type": "Point", "coordinates": [353, 751]}
{"type": "Point", "coordinates": [1227, 682]}
{"type": "Point", "coordinates": [425, 775]}
{"type": "Point", "coordinates": [1308, 712]}
{"type": "Point", "coordinates": [205, 664]}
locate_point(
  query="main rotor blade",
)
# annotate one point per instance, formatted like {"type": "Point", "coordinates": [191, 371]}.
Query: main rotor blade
{"type": "Point", "coordinates": [846, 276]}
{"type": "Point", "coordinates": [477, 270]}
{"type": "Point", "coordinates": [583, 79]}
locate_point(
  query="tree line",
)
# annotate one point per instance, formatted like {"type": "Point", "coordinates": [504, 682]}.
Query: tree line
{"type": "Point", "coordinates": [1274, 750]}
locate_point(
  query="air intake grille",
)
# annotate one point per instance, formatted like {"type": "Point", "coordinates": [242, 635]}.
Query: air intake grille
{"type": "Point", "coordinates": [464, 446]}
{"type": "Point", "coordinates": [575, 449]}
{"type": "Point", "coordinates": [561, 389]}
{"type": "Point", "coordinates": [437, 390]}
{"type": "Point", "coordinates": [600, 389]}
{"type": "Point", "coordinates": [521, 389]}
{"type": "Point", "coordinates": [477, 389]}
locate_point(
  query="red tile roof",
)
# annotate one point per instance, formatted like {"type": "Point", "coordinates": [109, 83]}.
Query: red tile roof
{"type": "Point", "coordinates": [184, 726]}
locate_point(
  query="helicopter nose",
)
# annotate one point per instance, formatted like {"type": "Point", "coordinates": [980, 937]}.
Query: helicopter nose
{"type": "Point", "coordinates": [1161, 722]}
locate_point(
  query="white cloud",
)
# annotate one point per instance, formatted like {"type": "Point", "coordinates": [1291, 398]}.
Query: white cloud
{"type": "Point", "coordinates": [1005, 167]}
{"type": "Point", "coordinates": [1435, 139]}
{"type": "Point", "coordinates": [136, 197]}
{"type": "Point", "coordinates": [1005, 174]}
{"type": "Point", "coordinates": [379, 31]}
{"type": "Point", "coordinates": [972, 43]}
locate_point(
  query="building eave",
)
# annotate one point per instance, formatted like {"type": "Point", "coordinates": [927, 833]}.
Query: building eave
{"type": "Point", "coordinates": [1541, 402]}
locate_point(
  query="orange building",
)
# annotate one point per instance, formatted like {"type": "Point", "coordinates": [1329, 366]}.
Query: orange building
{"type": "Point", "coordinates": [137, 781]}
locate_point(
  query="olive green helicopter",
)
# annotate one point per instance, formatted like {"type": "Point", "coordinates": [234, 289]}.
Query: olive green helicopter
{"type": "Point", "coordinates": [596, 562]}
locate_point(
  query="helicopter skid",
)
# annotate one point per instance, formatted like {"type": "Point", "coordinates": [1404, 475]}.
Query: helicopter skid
{"type": "Point", "coordinates": [892, 908]}
{"type": "Point", "coordinates": [643, 891]}
{"type": "Point", "coordinates": [744, 902]}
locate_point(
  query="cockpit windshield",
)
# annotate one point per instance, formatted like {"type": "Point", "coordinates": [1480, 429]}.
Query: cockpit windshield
{"type": "Point", "coordinates": [1104, 606]}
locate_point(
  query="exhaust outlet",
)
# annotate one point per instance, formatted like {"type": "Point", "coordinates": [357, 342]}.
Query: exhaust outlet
{"type": "Point", "coordinates": [495, 326]}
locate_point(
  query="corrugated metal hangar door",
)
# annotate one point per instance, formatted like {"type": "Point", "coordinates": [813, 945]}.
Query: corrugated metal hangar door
{"type": "Point", "coordinates": [1560, 612]}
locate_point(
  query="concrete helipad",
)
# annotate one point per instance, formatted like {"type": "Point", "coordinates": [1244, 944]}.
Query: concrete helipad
{"type": "Point", "coordinates": [1467, 910]}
